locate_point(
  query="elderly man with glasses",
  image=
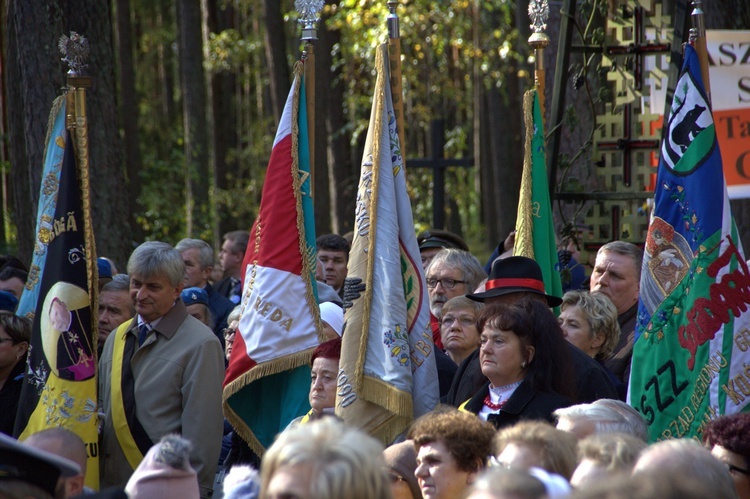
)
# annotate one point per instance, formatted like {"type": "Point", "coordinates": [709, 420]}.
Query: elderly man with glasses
{"type": "Point", "coordinates": [451, 273]}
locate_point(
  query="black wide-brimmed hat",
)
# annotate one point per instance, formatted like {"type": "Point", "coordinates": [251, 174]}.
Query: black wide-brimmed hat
{"type": "Point", "coordinates": [515, 274]}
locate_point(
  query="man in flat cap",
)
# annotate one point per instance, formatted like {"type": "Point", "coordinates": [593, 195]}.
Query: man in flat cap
{"type": "Point", "coordinates": [433, 240]}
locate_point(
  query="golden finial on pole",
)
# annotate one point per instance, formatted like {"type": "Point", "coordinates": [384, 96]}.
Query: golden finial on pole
{"type": "Point", "coordinates": [394, 58]}
{"type": "Point", "coordinates": [698, 40]}
{"type": "Point", "coordinates": [539, 13]}
{"type": "Point", "coordinates": [309, 17]}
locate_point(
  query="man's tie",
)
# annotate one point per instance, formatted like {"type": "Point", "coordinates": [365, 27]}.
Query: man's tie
{"type": "Point", "coordinates": [143, 330]}
{"type": "Point", "coordinates": [234, 294]}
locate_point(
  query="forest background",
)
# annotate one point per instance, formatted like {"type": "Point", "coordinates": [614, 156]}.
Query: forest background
{"type": "Point", "coordinates": [188, 93]}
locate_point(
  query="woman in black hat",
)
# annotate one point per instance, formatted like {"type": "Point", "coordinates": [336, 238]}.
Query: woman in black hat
{"type": "Point", "coordinates": [524, 356]}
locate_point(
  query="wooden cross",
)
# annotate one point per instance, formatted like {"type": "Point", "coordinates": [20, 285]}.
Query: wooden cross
{"type": "Point", "coordinates": [438, 163]}
{"type": "Point", "coordinates": [626, 144]}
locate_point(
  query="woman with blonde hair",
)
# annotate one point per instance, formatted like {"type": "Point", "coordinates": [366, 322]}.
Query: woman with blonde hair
{"type": "Point", "coordinates": [324, 459]}
{"type": "Point", "coordinates": [536, 444]}
{"type": "Point", "coordinates": [589, 321]}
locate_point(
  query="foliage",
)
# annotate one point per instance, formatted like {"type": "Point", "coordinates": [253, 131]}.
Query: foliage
{"type": "Point", "coordinates": [438, 58]}
{"type": "Point", "coordinates": [440, 53]}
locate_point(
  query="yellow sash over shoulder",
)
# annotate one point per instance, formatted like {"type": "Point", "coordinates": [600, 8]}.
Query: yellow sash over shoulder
{"type": "Point", "coordinates": [133, 439]}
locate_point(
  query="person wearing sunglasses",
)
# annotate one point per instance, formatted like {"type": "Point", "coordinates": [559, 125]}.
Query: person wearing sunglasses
{"type": "Point", "coordinates": [15, 335]}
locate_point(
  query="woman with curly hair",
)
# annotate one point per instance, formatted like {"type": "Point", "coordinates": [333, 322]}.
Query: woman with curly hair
{"type": "Point", "coordinates": [728, 437]}
{"type": "Point", "coordinates": [589, 322]}
{"type": "Point", "coordinates": [524, 356]}
{"type": "Point", "coordinates": [452, 448]}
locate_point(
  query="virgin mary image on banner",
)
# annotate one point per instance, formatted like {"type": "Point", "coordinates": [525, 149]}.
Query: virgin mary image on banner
{"type": "Point", "coordinates": [66, 344]}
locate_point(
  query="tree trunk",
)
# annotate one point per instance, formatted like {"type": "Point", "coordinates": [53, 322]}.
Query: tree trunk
{"type": "Point", "coordinates": [325, 194]}
{"type": "Point", "coordinates": [34, 77]}
{"type": "Point", "coordinates": [278, 68]}
{"type": "Point", "coordinates": [222, 107]}
{"type": "Point", "coordinates": [341, 172]}
{"type": "Point", "coordinates": [166, 71]}
{"type": "Point", "coordinates": [4, 153]}
{"type": "Point", "coordinates": [129, 118]}
{"type": "Point", "coordinates": [193, 85]}
{"type": "Point", "coordinates": [109, 205]}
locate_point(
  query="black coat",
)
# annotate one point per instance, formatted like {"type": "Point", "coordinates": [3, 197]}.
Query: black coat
{"type": "Point", "coordinates": [10, 394]}
{"type": "Point", "coordinates": [525, 404]}
{"type": "Point", "coordinates": [619, 362]}
{"type": "Point", "coordinates": [592, 380]}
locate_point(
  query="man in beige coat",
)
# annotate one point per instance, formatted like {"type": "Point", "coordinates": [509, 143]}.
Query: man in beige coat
{"type": "Point", "coordinates": [160, 373]}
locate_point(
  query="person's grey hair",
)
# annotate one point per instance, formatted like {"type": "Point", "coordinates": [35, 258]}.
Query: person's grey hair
{"type": "Point", "coordinates": [174, 451]}
{"type": "Point", "coordinates": [555, 448]}
{"type": "Point", "coordinates": [686, 457]}
{"type": "Point", "coordinates": [626, 249]}
{"type": "Point", "coordinates": [463, 303]}
{"type": "Point", "coordinates": [205, 251]}
{"type": "Point", "coordinates": [234, 315]}
{"type": "Point", "coordinates": [611, 451]}
{"type": "Point", "coordinates": [515, 483]}
{"type": "Point", "coordinates": [345, 462]}
{"type": "Point", "coordinates": [119, 282]}
{"type": "Point", "coordinates": [472, 270]}
{"type": "Point", "coordinates": [601, 315]}
{"type": "Point", "coordinates": [608, 416]}
{"type": "Point", "coordinates": [155, 258]}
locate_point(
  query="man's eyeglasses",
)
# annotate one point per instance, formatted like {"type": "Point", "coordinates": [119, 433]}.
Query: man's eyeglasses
{"type": "Point", "coordinates": [737, 469]}
{"type": "Point", "coordinates": [3, 340]}
{"type": "Point", "coordinates": [395, 477]}
{"type": "Point", "coordinates": [464, 320]}
{"type": "Point", "coordinates": [229, 333]}
{"type": "Point", "coordinates": [446, 283]}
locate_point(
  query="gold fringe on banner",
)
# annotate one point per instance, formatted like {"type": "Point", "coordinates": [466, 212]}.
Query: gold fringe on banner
{"type": "Point", "coordinates": [56, 106]}
{"type": "Point", "coordinates": [524, 244]}
{"type": "Point", "coordinates": [298, 359]}
{"type": "Point", "coordinates": [260, 371]}
{"type": "Point", "coordinates": [81, 145]}
{"type": "Point", "coordinates": [359, 371]}
{"type": "Point", "coordinates": [307, 253]}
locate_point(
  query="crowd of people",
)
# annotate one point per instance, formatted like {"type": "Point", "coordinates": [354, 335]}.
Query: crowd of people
{"type": "Point", "coordinates": [532, 403]}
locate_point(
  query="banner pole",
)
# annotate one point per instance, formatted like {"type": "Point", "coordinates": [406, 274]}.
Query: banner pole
{"type": "Point", "coordinates": [539, 40]}
{"type": "Point", "coordinates": [76, 51]}
{"type": "Point", "coordinates": [308, 12]}
{"type": "Point", "coordinates": [699, 43]}
{"type": "Point", "coordinates": [394, 58]}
